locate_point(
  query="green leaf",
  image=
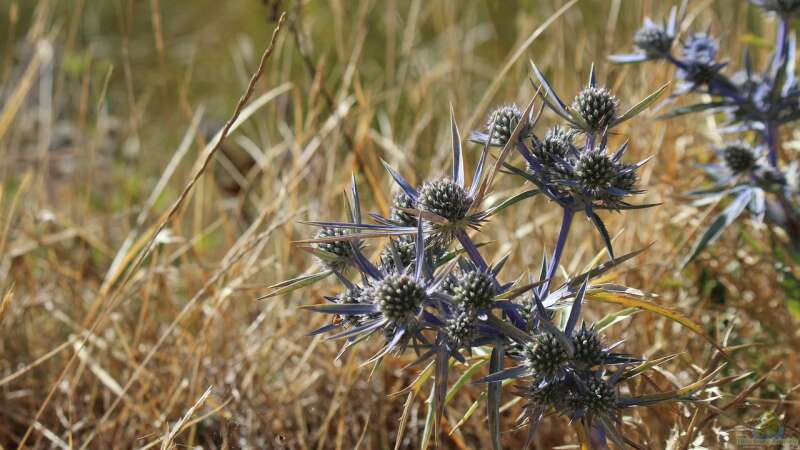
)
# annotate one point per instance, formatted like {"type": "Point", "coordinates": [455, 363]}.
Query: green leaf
{"type": "Point", "coordinates": [494, 393]}
{"type": "Point", "coordinates": [730, 214]}
{"type": "Point", "coordinates": [641, 106]}
{"type": "Point", "coordinates": [511, 200]}
{"type": "Point", "coordinates": [287, 286]}
{"type": "Point", "coordinates": [614, 318]}
{"type": "Point", "coordinates": [691, 109]}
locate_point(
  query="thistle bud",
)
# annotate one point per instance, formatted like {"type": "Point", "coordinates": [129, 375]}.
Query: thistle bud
{"type": "Point", "coordinates": [404, 247]}
{"type": "Point", "coordinates": [596, 106]}
{"type": "Point", "coordinates": [445, 198]}
{"type": "Point", "coordinates": [399, 298]}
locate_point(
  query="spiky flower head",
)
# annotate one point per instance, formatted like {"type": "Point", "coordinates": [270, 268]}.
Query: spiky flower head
{"type": "Point", "coordinates": [399, 298]}
{"type": "Point", "coordinates": [341, 248]}
{"type": "Point", "coordinates": [654, 40]}
{"type": "Point", "coordinates": [595, 170]}
{"type": "Point", "coordinates": [595, 396]}
{"type": "Point", "coordinates": [503, 120]}
{"type": "Point", "coordinates": [555, 145]}
{"type": "Point", "coordinates": [445, 198]}
{"type": "Point", "coordinates": [549, 395]}
{"type": "Point", "coordinates": [783, 7]}
{"type": "Point", "coordinates": [461, 327]}
{"type": "Point", "coordinates": [699, 54]}
{"type": "Point", "coordinates": [545, 355]}
{"type": "Point", "coordinates": [589, 349]}
{"type": "Point", "coordinates": [351, 297]}
{"type": "Point", "coordinates": [402, 201]}
{"type": "Point", "coordinates": [626, 178]}
{"type": "Point", "coordinates": [399, 253]}
{"type": "Point", "coordinates": [596, 106]}
{"type": "Point", "coordinates": [739, 157]}
{"type": "Point", "coordinates": [475, 290]}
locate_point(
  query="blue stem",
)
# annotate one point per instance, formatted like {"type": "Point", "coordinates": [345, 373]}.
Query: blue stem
{"type": "Point", "coordinates": [566, 223]}
{"type": "Point", "coordinates": [781, 42]}
{"type": "Point", "coordinates": [771, 139]}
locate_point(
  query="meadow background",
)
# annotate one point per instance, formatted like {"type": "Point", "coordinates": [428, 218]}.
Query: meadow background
{"type": "Point", "coordinates": [107, 109]}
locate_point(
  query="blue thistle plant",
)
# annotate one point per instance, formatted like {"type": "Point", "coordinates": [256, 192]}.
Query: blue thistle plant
{"type": "Point", "coordinates": [759, 103]}
{"type": "Point", "coordinates": [431, 290]}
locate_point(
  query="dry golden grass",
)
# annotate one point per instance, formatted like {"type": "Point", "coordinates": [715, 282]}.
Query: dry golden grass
{"type": "Point", "coordinates": [128, 311]}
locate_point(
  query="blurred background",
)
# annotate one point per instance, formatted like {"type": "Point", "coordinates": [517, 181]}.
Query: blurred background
{"type": "Point", "coordinates": [113, 336]}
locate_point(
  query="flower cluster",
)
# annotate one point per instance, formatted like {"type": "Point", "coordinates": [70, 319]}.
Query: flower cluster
{"type": "Point", "coordinates": [432, 291]}
{"type": "Point", "coordinates": [753, 102]}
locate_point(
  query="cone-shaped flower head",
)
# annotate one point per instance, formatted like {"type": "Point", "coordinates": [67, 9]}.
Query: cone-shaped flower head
{"type": "Point", "coordinates": [504, 120]}
{"type": "Point", "coordinates": [475, 290]}
{"type": "Point", "coordinates": [461, 327]}
{"type": "Point", "coordinates": [595, 396]}
{"type": "Point", "coordinates": [739, 157]}
{"type": "Point", "coordinates": [589, 349]}
{"type": "Point", "coordinates": [555, 145]}
{"type": "Point", "coordinates": [545, 355]}
{"type": "Point", "coordinates": [399, 298]}
{"type": "Point", "coordinates": [596, 106]}
{"type": "Point", "coordinates": [654, 40]}
{"type": "Point", "coordinates": [699, 54]}
{"type": "Point", "coordinates": [595, 170]}
{"type": "Point", "coordinates": [445, 198]}
{"type": "Point", "coordinates": [783, 7]}
{"type": "Point", "coordinates": [402, 201]}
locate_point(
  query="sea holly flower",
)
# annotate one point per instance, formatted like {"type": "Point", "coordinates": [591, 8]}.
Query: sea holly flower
{"type": "Point", "coordinates": [781, 7]}
{"type": "Point", "coordinates": [653, 40]}
{"type": "Point", "coordinates": [758, 102]}
{"type": "Point", "coordinates": [500, 126]}
{"type": "Point", "coordinates": [595, 108]}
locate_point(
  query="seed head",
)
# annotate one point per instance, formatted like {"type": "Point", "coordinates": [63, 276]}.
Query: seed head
{"type": "Point", "coordinates": [504, 120]}
{"type": "Point", "coordinates": [399, 298]}
{"type": "Point", "coordinates": [588, 348]}
{"type": "Point", "coordinates": [475, 290]}
{"type": "Point", "coordinates": [595, 170]}
{"type": "Point", "coordinates": [739, 157]}
{"type": "Point", "coordinates": [653, 40]}
{"type": "Point", "coordinates": [546, 355]}
{"type": "Point", "coordinates": [445, 198]}
{"type": "Point", "coordinates": [596, 106]}
{"type": "Point", "coordinates": [595, 397]}
{"type": "Point", "coordinates": [401, 201]}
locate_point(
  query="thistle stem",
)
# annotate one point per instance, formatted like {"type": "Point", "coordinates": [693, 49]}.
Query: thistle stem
{"type": "Point", "coordinates": [771, 139]}
{"type": "Point", "coordinates": [781, 42]}
{"type": "Point", "coordinates": [566, 223]}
